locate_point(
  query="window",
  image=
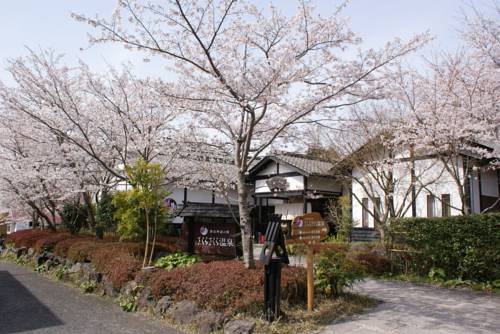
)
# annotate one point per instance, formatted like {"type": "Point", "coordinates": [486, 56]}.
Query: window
{"type": "Point", "coordinates": [377, 207]}
{"type": "Point", "coordinates": [445, 205]}
{"type": "Point", "coordinates": [364, 216]}
{"type": "Point", "coordinates": [431, 207]}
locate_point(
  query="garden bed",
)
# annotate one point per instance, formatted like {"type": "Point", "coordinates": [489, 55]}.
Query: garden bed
{"type": "Point", "coordinates": [200, 297]}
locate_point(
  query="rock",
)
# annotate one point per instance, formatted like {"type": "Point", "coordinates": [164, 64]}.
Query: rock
{"type": "Point", "coordinates": [239, 327]}
{"type": "Point", "coordinates": [163, 305]}
{"type": "Point", "coordinates": [40, 259]}
{"type": "Point", "coordinates": [108, 288]}
{"type": "Point", "coordinates": [145, 300]}
{"type": "Point", "coordinates": [21, 251]}
{"type": "Point", "coordinates": [75, 269]}
{"type": "Point", "coordinates": [184, 312]}
{"type": "Point", "coordinates": [49, 264]}
{"type": "Point", "coordinates": [89, 274]}
{"type": "Point", "coordinates": [130, 289]}
{"type": "Point", "coordinates": [209, 321]}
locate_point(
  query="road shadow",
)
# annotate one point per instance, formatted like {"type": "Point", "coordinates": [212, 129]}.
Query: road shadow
{"type": "Point", "coordinates": [20, 310]}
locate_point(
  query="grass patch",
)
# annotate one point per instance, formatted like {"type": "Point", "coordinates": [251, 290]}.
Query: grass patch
{"type": "Point", "coordinates": [327, 311]}
{"type": "Point", "coordinates": [493, 287]}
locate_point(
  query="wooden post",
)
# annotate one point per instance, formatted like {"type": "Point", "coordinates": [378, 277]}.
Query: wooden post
{"type": "Point", "coordinates": [310, 279]}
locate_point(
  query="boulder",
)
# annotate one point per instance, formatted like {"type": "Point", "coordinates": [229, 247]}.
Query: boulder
{"type": "Point", "coordinates": [40, 259]}
{"type": "Point", "coordinates": [145, 300]}
{"type": "Point", "coordinates": [130, 289]}
{"type": "Point", "coordinates": [107, 287]}
{"type": "Point", "coordinates": [163, 305]}
{"type": "Point", "coordinates": [239, 327]}
{"type": "Point", "coordinates": [49, 264]}
{"type": "Point", "coordinates": [75, 269]}
{"type": "Point", "coordinates": [184, 312]}
{"type": "Point", "coordinates": [21, 251]}
{"type": "Point", "coordinates": [209, 321]}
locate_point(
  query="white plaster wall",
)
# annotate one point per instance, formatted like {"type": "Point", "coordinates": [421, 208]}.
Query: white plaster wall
{"type": "Point", "coordinates": [430, 172]}
{"type": "Point", "coordinates": [358, 191]}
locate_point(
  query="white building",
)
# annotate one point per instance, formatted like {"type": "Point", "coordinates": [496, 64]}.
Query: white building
{"type": "Point", "coordinates": [422, 186]}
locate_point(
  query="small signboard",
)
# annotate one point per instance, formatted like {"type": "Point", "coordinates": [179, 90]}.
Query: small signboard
{"type": "Point", "coordinates": [309, 228]}
{"type": "Point", "coordinates": [215, 238]}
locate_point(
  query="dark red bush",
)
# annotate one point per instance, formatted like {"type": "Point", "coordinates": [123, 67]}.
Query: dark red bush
{"type": "Point", "coordinates": [61, 248]}
{"type": "Point", "coordinates": [27, 238]}
{"type": "Point", "coordinates": [116, 261]}
{"type": "Point", "coordinates": [47, 243]}
{"type": "Point", "coordinates": [223, 285]}
{"type": "Point", "coordinates": [371, 258]}
{"type": "Point", "coordinates": [81, 250]}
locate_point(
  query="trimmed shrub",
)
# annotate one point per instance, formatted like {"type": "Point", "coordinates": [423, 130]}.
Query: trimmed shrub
{"type": "Point", "coordinates": [372, 257]}
{"type": "Point", "coordinates": [62, 247]}
{"type": "Point", "coordinates": [464, 247]}
{"type": "Point", "coordinates": [116, 261]}
{"type": "Point", "coordinates": [81, 251]}
{"type": "Point", "coordinates": [27, 238]}
{"type": "Point", "coordinates": [334, 271]}
{"type": "Point", "coordinates": [225, 286]}
{"type": "Point", "coordinates": [47, 243]}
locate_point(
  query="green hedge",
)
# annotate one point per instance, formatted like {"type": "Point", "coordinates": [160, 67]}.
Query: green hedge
{"type": "Point", "coordinates": [465, 247]}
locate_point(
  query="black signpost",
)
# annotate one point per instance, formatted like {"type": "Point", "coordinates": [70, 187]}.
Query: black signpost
{"type": "Point", "coordinates": [273, 254]}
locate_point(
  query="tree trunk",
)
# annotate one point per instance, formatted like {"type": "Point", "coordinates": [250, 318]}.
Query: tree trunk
{"type": "Point", "coordinates": [146, 250]}
{"type": "Point", "coordinates": [90, 213]}
{"type": "Point", "coordinates": [155, 230]}
{"type": "Point", "coordinates": [245, 223]}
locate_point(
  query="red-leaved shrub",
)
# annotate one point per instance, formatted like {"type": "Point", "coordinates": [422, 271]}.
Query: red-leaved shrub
{"type": "Point", "coordinates": [225, 286]}
{"type": "Point", "coordinates": [47, 243]}
{"type": "Point", "coordinates": [116, 261]}
{"type": "Point", "coordinates": [27, 238]}
{"type": "Point", "coordinates": [62, 247]}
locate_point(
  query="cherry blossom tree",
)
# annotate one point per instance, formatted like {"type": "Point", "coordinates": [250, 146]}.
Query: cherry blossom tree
{"type": "Point", "coordinates": [38, 170]}
{"type": "Point", "coordinates": [369, 163]}
{"type": "Point", "coordinates": [246, 74]}
{"type": "Point", "coordinates": [96, 123]}
{"type": "Point", "coordinates": [451, 112]}
{"type": "Point", "coordinates": [114, 118]}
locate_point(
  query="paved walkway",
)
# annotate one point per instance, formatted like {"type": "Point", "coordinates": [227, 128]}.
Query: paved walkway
{"type": "Point", "coordinates": [30, 303]}
{"type": "Point", "coordinates": [413, 308]}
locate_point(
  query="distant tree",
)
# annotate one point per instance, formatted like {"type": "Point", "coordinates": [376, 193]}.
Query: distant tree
{"type": "Point", "coordinates": [105, 212]}
{"type": "Point", "coordinates": [74, 215]}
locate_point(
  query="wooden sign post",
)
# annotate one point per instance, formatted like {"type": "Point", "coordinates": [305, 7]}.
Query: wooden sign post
{"type": "Point", "coordinates": [309, 229]}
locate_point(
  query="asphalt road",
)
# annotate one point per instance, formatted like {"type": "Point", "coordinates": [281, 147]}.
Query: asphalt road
{"type": "Point", "coordinates": [408, 308]}
{"type": "Point", "coordinates": [30, 303]}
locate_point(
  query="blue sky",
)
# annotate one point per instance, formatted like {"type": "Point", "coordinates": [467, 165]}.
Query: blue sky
{"type": "Point", "coordinates": [47, 24]}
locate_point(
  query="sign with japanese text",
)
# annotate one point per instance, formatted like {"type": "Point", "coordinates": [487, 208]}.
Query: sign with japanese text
{"type": "Point", "coordinates": [215, 238]}
{"type": "Point", "coordinates": [309, 228]}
